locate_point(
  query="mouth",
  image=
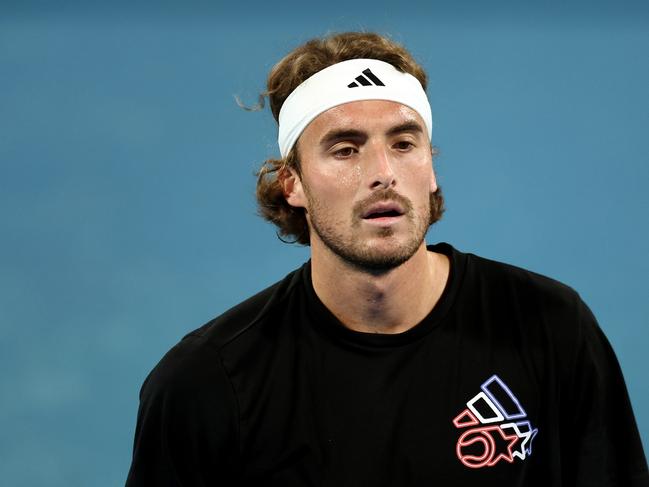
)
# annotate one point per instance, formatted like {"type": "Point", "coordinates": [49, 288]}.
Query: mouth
{"type": "Point", "coordinates": [383, 211]}
{"type": "Point", "coordinates": [386, 214]}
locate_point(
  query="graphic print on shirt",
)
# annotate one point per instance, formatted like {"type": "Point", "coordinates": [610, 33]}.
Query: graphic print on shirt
{"type": "Point", "coordinates": [499, 429]}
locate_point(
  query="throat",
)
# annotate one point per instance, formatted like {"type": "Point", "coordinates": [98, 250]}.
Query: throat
{"type": "Point", "coordinates": [392, 302]}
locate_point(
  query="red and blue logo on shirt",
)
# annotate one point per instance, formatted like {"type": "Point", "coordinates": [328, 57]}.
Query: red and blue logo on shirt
{"type": "Point", "coordinates": [499, 430]}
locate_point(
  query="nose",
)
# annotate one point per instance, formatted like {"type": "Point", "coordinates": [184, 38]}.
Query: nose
{"type": "Point", "coordinates": [379, 168]}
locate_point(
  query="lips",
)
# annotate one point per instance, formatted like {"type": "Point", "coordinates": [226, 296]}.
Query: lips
{"type": "Point", "coordinates": [383, 209]}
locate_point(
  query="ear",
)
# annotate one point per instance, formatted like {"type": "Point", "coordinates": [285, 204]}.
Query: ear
{"type": "Point", "coordinates": [433, 178]}
{"type": "Point", "coordinates": [433, 182]}
{"type": "Point", "coordinates": [292, 187]}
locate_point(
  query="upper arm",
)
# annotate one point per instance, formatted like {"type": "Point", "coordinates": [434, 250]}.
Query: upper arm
{"type": "Point", "coordinates": [187, 426]}
{"type": "Point", "coordinates": [609, 449]}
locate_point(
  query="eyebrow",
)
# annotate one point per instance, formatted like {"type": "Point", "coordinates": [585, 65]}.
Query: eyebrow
{"type": "Point", "coordinates": [406, 127]}
{"type": "Point", "coordinates": [345, 134]}
{"type": "Point", "coordinates": [341, 134]}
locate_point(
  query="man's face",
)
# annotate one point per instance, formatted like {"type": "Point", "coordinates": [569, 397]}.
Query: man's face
{"type": "Point", "coordinates": [366, 180]}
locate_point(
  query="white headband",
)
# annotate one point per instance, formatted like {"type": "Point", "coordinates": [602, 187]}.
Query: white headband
{"type": "Point", "coordinates": [347, 81]}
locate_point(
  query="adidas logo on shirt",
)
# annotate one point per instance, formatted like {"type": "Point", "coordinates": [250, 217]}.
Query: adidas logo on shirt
{"type": "Point", "coordinates": [367, 78]}
{"type": "Point", "coordinates": [500, 428]}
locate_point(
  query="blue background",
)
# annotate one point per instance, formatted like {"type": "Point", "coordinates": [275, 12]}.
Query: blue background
{"type": "Point", "coordinates": [126, 184]}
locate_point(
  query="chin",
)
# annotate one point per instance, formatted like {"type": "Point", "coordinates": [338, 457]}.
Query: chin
{"type": "Point", "coordinates": [383, 257]}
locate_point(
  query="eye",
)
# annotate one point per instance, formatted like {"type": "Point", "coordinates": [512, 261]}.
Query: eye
{"type": "Point", "coordinates": [345, 152]}
{"type": "Point", "coordinates": [403, 145]}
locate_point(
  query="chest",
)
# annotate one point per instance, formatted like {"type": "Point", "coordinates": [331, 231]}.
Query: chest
{"type": "Point", "coordinates": [446, 407]}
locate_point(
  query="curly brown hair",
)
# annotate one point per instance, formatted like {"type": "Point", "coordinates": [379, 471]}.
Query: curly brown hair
{"type": "Point", "coordinates": [300, 64]}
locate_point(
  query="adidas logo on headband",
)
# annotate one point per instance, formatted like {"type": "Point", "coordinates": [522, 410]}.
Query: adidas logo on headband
{"type": "Point", "coordinates": [364, 81]}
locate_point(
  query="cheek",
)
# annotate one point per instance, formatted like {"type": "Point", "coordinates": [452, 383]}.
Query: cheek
{"type": "Point", "coordinates": [417, 186]}
{"type": "Point", "coordinates": [427, 176]}
{"type": "Point", "coordinates": [348, 177]}
{"type": "Point", "coordinates": [338, 184]}
{"type": "Point", "coordinates": [420, 177]}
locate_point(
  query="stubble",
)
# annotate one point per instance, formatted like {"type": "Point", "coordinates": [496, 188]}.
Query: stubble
{"type": "Point", "coordinates": [357, 250]}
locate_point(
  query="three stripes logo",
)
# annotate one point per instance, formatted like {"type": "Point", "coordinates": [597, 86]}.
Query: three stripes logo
{"type": "Point", "coordinates": [499, 429]}
{"type": "Point", "coordinates": [367, 78]}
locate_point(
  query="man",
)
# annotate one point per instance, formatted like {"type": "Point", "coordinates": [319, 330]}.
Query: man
{"type": "Point", "coordinates": [381, 361]}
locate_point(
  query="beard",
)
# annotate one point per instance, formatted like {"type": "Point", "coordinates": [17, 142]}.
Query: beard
{"type": "Point", "coordinates": [357, 251]}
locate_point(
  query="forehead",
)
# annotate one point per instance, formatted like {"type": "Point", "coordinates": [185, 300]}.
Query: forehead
{"type": "Point", "coordinates": [366, 115]}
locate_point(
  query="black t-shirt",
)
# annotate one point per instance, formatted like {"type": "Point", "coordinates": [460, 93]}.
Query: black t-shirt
{"type": "Point", "coordinates": [508, 381]}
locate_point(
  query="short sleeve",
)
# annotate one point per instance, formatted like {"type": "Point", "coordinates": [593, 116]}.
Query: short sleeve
{"type": "Point", "coordinates": [187, 426]}
{"type": "Point", "coordinates": [605, 435]}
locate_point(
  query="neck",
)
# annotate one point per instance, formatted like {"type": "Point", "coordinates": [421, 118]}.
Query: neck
{"type": "Point", "coordinates": [387, 302]}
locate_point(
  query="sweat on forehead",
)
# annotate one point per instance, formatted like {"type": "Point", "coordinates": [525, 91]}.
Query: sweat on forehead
{"type": "Point", "coordinates": [345, 82]}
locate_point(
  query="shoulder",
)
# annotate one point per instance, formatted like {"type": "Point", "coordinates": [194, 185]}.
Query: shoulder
{"type": "Point", "coordinates": [195, 361]}
{"type": "Point", "coordinates": [525, 305]}
{"type": "Point", "coordinates": [238, 320]}
{"type": "Point", "coordinates": [198, 353]}
{"type": "Point", "coordinates": [524, 285]}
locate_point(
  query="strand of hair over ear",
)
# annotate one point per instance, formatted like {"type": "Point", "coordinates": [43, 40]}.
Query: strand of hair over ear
{"type": "Point", "coordinates": [287, 241]}
{"type": "Point", "coordinates": [261, 103]}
